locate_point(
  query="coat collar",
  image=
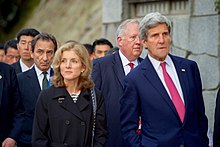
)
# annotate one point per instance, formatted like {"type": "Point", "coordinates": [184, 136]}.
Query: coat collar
{"type": "Point", "coordinates": [66, 102]}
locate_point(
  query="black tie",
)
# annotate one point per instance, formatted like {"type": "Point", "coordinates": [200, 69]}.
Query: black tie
{"type": "Point", "coordinates": [45, 83]}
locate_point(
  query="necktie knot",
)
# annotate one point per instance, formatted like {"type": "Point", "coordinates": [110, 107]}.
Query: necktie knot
{"type": "Point", "coordinates": [131, 65]}
{"type": "Point", "coordinates": [45, 83]}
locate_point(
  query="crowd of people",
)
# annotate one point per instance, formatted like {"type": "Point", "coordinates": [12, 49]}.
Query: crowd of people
{"type": "Point", "coordinates": [97, 95]}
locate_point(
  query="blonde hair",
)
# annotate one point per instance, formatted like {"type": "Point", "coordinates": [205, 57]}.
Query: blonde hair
{"type": "Point", "coordinates": [85, 80]}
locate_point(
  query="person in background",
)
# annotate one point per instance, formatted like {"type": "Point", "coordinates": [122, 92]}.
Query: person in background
{"type": "Point", "coordinates": [101, 46]}
{"type": "Point", "coordinates": [11, 51]}
{"type": "Point", "coordinates": [11, 109]}
{"type": "Point", "coordinates": [2, 53]}
{"type": "Point", "coordinates": [65, 112]}
{"type": "Point", "coordinates": [216, 134]}
{"type": "Point", "coordinates": [109, 72]}
{"type": "Point", "coordinates": [24, 38]}
{"type": "Point", "coordinates": [90, 50]}
{"type": "Point", "coordinates": [166, 91]}
{"type": "Point", "coordinates": [32, 81]}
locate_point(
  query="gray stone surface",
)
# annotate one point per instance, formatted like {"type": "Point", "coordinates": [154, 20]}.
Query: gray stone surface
{"type": "Point", "coordinates": [209, 70]}
{"type": "Point", "coordinates": [203, 36]}
{"type": "Point", "coordinates": [111, 11]}
{"type": "Point", "coordinates": [204, 7]}
{"type": "Point", "coordinates": [180, 32]}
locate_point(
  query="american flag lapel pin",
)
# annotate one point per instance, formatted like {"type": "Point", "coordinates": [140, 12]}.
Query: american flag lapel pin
{"type": "Point", "coordinates": [183, 70]}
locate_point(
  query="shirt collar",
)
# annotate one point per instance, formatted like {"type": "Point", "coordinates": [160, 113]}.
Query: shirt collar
{"type": "Point", "coordinates": [125, 61]}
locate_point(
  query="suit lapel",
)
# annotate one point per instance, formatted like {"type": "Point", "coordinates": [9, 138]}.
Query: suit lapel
{"type": "Point", "coordinates": [184, 82]}
{"type": "Point", "coordinates": [118, 68]}
{"type": "Point", "coordinates": [34, 83]}
{"type": "Point", "coordinates": [151, 75]}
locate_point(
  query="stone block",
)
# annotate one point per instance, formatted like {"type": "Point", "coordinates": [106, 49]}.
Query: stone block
{"type": "Point", "coordinates": [111, 11]}
{"type": "Point", "coordinates": [204, 35]}
{"type": "Point", "coordinates": [209, 70]}
{"type": "Point", "coordinates": [204, 7]}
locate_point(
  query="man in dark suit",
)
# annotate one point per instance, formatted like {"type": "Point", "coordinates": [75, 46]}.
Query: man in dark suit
{"type": "Point", "coordinates": [168, 98]}
{"type": "Point", "coordinates": [11, 110]}
{"type": "Point", "coordinates": [216, 134]}
{"type": "Point", "coordinates": [24, 37]}
{"type": "Point", "coordinates": [32, 81]}
{"type": "Point", "coordinates": [109, 72]}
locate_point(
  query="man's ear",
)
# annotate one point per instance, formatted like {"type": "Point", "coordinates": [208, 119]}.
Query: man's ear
{"type": "Point", "coordinates": [32, 54]}
{"type": "Point", "coordinates": [144, 43]}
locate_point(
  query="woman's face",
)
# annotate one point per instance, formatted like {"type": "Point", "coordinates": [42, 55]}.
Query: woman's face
{"type": "Point", "coordinates": [71, 67]}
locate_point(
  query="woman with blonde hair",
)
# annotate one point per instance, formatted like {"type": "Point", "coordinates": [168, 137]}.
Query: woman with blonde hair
{"type": "Point", "coordinates": [71, 112]}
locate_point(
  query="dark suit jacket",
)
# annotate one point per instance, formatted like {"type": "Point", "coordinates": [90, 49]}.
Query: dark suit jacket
{"type": "Point", "coordinates": [11, 110]}
{"type": "Point", "coordinates": [108, 76]}
{"type": "Point", "coordinates": [29, 89]}
{"type": "Point", "coordinates": [216, 134]}
{"type": "Point", "coordinates": [17, 66]}
{"type": "Point", "coordinates": [59, 122]}
{"type": "Point", "coordinates": [146, 96]}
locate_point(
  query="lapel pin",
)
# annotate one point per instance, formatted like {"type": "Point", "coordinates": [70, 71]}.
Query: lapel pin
{"type": "Point", "coordinates": [0, 77]}
{"type": "Point", "coordinates": [60, 100]}
{"type": "Point", "coordinates": [183, 70]}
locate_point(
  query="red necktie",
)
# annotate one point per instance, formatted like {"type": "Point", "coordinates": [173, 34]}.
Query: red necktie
{"type": "Point", "coordinates": [177, 101]}
{"type": "Point", "coordinates": [131, 65]}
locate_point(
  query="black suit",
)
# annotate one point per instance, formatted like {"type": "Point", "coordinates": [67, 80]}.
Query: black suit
{"type": "Point", "coordinates": [11, 110]}
{"type": "Point", "coordinates": [17, 66]}
{"type": "Point", "coordinates": [216, 135]}
{"type": "Point", "coordinates": [108, 75]}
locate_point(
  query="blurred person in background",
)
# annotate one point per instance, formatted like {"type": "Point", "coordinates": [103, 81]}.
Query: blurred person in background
{"type": "Point", "coordinates": [216, 134]}
{"type": "Point", "coordinates": [24, 38]}
{"type": "Point", "coordinates": [11, 51]}
{"type": "Point", "coordinates": [101, 46]}
{"type": "Point", "coordinates": [90, 50]}
{"type": "Point", "coordinates": [2, 53]}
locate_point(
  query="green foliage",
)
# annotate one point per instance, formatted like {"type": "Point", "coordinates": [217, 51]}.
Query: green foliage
{"type": "Point", "coordinates": [13, 14]}
{"type": "Point", "coordinates": [217, 6]}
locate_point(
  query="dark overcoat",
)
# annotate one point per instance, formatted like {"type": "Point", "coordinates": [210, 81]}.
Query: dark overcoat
{"type": "Point", "coordinates": [60, 122]}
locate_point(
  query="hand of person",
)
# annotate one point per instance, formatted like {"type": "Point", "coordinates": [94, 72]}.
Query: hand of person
{"type": "Point", "coordinates": [9, 142]}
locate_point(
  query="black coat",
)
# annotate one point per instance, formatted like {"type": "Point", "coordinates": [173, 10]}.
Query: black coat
{"type": "Point", "coordinates": [60, 122]}
{"type": "Point", "coordinates": [216, 134]}
{"type": "Point", "coordinates": [11, 109]}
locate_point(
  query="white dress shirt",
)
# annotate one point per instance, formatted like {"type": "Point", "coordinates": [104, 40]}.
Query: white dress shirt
{"type": "Point", "coordinates": [171, 71]}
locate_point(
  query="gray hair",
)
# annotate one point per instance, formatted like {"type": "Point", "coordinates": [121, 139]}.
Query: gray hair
{"type": "Point", "coordinates": [151, 20]}
{"type": "Point", "coordinates": [123, 25]}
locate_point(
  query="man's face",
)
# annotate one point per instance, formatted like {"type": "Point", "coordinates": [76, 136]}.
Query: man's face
{"type": "Point", "coordinates": [43, 54]}
{"type": "Point", "coordinates": [129, 42]}
{"type": "Point", "coordinates": [12, 55]}
{"type": "Point", "coordinates": [24, 47]}
{"type": "Point", "coordinates": [2, 55]}
{"type": "Point", "coordinates": [101, 50]}
{"type": "Point", "coordinates": [158, 42]}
